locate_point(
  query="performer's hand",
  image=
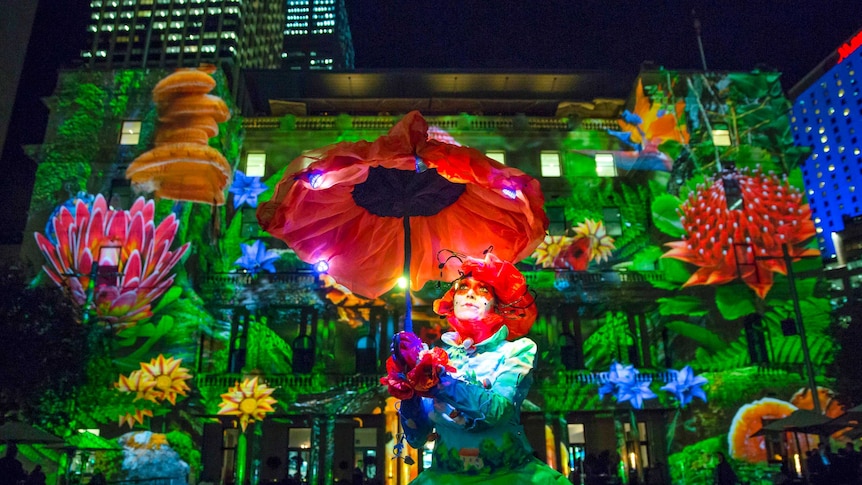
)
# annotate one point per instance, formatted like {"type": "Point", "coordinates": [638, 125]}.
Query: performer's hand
{"type": "Point", "coordinates": [405, 348]}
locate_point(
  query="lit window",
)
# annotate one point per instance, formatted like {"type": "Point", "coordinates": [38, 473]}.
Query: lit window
{"type": "Point", "coordinates": [550, 164]}
{"type": "Point", "coordinates": [255, 164]}
{"type": "Point", "coordinates": [131, 133]}
{"type": "Point", "coordinates": [605, 166]}
{"type": "Point", "coordinates": [497, 155]}
{"type": "Point", "coordinates": [721, 137]}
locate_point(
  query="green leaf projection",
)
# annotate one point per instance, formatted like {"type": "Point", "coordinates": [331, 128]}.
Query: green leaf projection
{"type": "Point", "coordinates": [683, 267]}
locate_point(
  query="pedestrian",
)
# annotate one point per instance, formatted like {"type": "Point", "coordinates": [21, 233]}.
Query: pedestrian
{"type": "Point", "coordinates": [36, 477]}
{"type": "Point", "coordinates": [11, 470]}
{"type": "Point", "coordinates": [724, 474]}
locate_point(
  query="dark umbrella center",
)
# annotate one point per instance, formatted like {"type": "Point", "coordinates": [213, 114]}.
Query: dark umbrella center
{"type": "Point", "coordinates": [405, 193]}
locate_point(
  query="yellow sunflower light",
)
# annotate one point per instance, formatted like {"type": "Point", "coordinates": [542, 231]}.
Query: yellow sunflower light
{"type": "Point", "coordinates": [168, 376]}
{"type": "Point", "coordinates": [601, 244]}
{"type": "Point", "coordinates": [249, 400]}
{"type": "Point", "coordinates": [548, 250]}
{"type": "Point", "coordinates": [136, 417]}
{"type": "Point", "coordinates": [138, 382]}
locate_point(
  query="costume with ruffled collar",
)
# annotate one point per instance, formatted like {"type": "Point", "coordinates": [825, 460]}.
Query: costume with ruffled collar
{"type": "Point", "coordinates": [475, 412]}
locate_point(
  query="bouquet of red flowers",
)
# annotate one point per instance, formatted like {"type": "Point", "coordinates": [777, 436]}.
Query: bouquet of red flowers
{"type": "Point", "coordinates": [413, 368]}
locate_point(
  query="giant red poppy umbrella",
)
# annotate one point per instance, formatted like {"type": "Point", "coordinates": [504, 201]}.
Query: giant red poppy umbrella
{"type": "Point", "coordinates": [366, 208]}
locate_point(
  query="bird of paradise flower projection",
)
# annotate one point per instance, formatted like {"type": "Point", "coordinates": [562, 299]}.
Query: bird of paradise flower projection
{"type": "Point", "coordinates": [182, 166]}
{"type": "Point", "coordinates": [249, 400]}
{"type": "Point", "coordinates": [745, 242]}
{"type": "Point", "coordinates": [162, 379]}
{"type": "Point", "coordinates": [141, 268]}
{"type": "Point", "coordinates": [645, 128]}
{"type": "Point", "coordinates": [590, 243]}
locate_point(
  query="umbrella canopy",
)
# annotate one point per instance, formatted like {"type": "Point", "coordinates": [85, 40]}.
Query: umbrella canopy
{"type": "Point", "coordinates": [372, 210]}
{"type": "Point", "coordinates": [799, 421]}
{"type": "Point", "coordinates": [15, 432]}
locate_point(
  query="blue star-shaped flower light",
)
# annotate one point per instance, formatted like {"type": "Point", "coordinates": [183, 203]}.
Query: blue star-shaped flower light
{"type": "Point", "coordinates": [246, 189]}
{"type": "Point", "coordinates": [621, 380]}
{"type": "Point", "coordinates": [255, 257]}
{"type": "Point", "coordinates": [685, 386]}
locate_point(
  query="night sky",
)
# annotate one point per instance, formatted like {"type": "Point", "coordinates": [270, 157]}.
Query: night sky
{"type": "Point", "coordinates": [791, 36]}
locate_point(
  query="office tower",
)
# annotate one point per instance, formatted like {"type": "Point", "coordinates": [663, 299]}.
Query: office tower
{"type": "Point", "coordinates": [317, 36]}
{"type": "Point", "coordinates": [827, 117]}
{"type": "Point", "coordinates": [161, 33]}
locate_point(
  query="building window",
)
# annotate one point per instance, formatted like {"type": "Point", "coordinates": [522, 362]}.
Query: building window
{"type": "Point", "coordinates": [557, 220]}
{"type": "Point", "coordinates": [550, 164]}
{"type": "Point", "coordinates": [613, 221]}
{"type": "Point", "coordinates": [605, 166]}
{"type": "Point", "coordinates": [577, 447]}
{"type": "Point", "coordinates": [298, 453]}
{"type": "Point", "coordinates": [255, 164]}
{"type": "Point", "coordinates": [131, 133]}
{"type": "Point", "coordinates": [365, 452]}
{"type": "Point", "coordinates": [498, 155]}
{"type": "Point", "coordinates": [637, 447]}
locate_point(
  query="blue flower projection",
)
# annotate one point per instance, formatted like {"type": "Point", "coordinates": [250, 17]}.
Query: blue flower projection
{"type": "Point", "coordinates": [255, 257]}
{"type": "Point", "coordinates": [245, 189]}
{"type": "Point", "coordinates": [622, 381]}
{"type": "Point", "coordinates": [686, 386]}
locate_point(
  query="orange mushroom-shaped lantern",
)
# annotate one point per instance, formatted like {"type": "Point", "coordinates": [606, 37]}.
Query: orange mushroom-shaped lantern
{"type": "Point", "coordinates": [183, 166]}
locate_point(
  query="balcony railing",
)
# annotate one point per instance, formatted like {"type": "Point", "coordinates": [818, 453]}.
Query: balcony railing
{"type": "Point", "coordinates": [473, 123]}
{"type": "Point", "coordinates": [296, 278]}
{"type": "Point", "coordinates": [302, 383]}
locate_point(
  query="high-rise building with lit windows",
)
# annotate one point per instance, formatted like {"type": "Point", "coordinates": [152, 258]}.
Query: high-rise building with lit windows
{"type": "Point", "coordinates": [317, 36]}
{"type": "Point", "coordinates": [827, 118]}
{"type": "Point", "coordinates": [160, 33]}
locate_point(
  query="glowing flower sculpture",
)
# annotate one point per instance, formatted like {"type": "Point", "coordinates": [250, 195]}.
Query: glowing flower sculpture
{"type": "Point", "coordinates": [245, 189]}
{"type": "Point", "coordinates": [255, 257]}
{"type": "Point", "coordinates": [746, 242]}
{"type": "Point", "coordinates": [685, 386]}
{"type": "Point", "coordinates": [622, 381]}
{"type": "Point", "coordinates": [142, 267]}
{"type": "Point", "coordinates": [169, 379]}
{"type": "Point", "coordinates": [249, 400]}
{"type": "Point", "coordinates": [601, 244]}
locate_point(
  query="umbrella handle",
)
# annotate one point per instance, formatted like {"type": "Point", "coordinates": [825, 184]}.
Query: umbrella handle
{"type": "Point", "coordinates": [408, 299]}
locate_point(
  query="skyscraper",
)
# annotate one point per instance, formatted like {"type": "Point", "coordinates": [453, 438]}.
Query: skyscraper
{"type": "Point", "coordinates": [161, 33]}
{"type": "Point", "coordinates": [827, 117]}
{"type": "Point", "coordinates": [317, 36]}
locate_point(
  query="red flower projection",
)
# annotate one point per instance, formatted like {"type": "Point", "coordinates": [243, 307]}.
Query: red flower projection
{"type": "Point", "coordinates": [140, 269]}
{"type": "Point", "coordinates": [746, 242]}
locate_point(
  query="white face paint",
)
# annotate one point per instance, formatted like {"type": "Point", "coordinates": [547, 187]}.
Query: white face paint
{"type": "Point", "coordinates": [473, 300]}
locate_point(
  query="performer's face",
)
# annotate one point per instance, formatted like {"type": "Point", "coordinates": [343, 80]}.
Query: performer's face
{"type": "Point", "coordinates": [473, 299]}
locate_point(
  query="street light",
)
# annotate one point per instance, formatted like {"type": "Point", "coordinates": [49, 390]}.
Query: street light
{"type": "Point", "coordinates": [797, 311]}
